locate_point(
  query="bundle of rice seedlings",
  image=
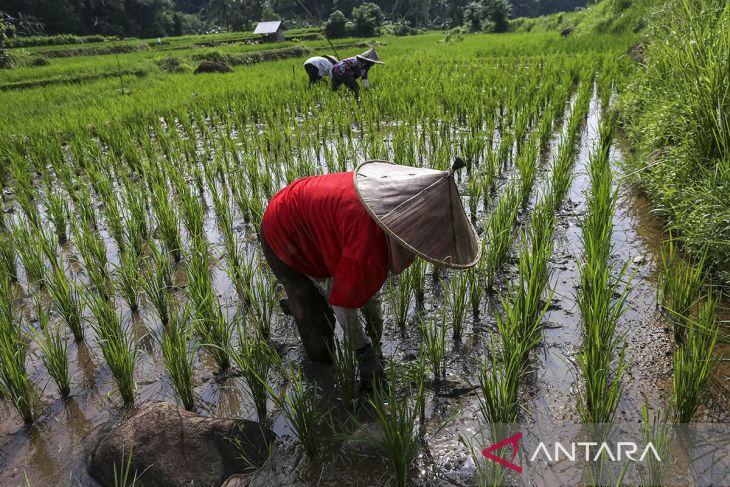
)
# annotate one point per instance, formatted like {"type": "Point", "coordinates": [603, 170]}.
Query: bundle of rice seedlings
{"type": "Point", "coordinates": [178, 352]}
{"type": "Point", "coordinates": [256, 360]}
{"type": "Point", "coordinates": [66, 300]}
{"type": "Point", "coordinates": [54, 351]}
{"type": "Point", "coordinates": [433, 344]}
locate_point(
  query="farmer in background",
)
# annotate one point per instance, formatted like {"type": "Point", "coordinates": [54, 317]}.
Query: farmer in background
{"type": "Point", "coordinates": [331, 241]}
{"type": "Point", "coordinates": [349, 70]}
{"type": "Point", "coordinates": [319, 67]}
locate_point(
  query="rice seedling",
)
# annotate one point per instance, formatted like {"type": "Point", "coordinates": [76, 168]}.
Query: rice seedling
{"type": "Point", "coordinates": [128, 280]}
{"type": "Point", "coordinates": [656, 431]}
{"type": "Point", "coordinates": [178, 352]}
{"type": "Point", "coordinates": [398, 418]}
{"type": "Point", "coordinates": [167, 224]}
{"type": "Point", "coordinates": [457, 300]}
{"type": "Point", "coordinates": [158, 281]}
{"type": "Point", "coordinates": [31, 253]}
{"type": "Point", "coordinates": [477, 284]}
{"type": "Point", "coordinates": [115, 219]}
{"type": "Point", "coordinates": [562, 173]}
{"type": "Point", "coordinates": [58, 210]}
{"type": "Point", "coordinates": [119, 351]}
{"type": "Point", "coordinates": [600, 311]}
{"type": "Point", "coordinates": [15, 387]}
{"type": "Point", "coordinates": [400, 295]}
{"type": "Point", "coordinates": [299, 405]}
{"type": "Point", "coordinates": [680, 284]}
{"type": "Point", "coordinates": [25, 194]}
{"type": "Point", "coordinates": [499, 234]}
{"type": "Point", "coordinates": [417, 276]}
{"type": "Point", "coordinates": [135, 220]}
{"type": "Point", "coordinates": [8, 259]}
{"type": "Point", "coordinates": [475, 189]}
{"type": "Point", "coordinates": [527, 165]}
{"type": "Point", "coordinates": [123, 477]}
{"type": "Point", "coordinates": [694, 362]}
{"type": "Point", "coordinates": [93, 252]}
{"type": "Point", "coordinates": [66, 300]}
{"type": "Point", "coordinates": [499, 384]}
{"type": "Point", "coordinates": [216, 333]}
{"type": "Point", "coordinates": [262, 296]}
{"type": "Point", "coordinates": [433, 344]}
{"type": "Point", "coordinates": [53, 346]}
{"type": "Point", "coordinates": [256, 360]}
{"type": "Point", "coordinates": [85, 208]}
{"type": "Point", "coordinates": [346, 366]}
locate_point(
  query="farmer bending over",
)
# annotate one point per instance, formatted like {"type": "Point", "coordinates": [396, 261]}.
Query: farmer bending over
{"type": "Point", "coordinates": [331, 241]}
{"type": "Point", "coordinates": [319, 67]}
{"type": "Point", "coordinates": [349, 70]}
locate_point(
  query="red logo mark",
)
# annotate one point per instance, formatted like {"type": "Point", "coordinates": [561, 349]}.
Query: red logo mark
{"type": "Point", "coordinates": [513, 440]}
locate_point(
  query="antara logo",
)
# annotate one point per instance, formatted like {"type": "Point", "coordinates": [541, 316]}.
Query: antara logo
{"type": "Point", "coordinates": [593, 451]}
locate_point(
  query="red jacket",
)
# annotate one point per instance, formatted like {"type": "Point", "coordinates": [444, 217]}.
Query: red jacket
{"type": "Point", "coordinates": [319, 227]}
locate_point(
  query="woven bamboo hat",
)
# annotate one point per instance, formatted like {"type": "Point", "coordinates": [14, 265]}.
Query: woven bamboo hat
{"type": "Point", "coordinates": [421, 209]}
{"type": "Point", "coordinates": [370, 55]}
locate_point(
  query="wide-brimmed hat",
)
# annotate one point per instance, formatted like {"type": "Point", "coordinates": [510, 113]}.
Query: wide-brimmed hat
{"type": "Point", "coordinates": [421, 209]}
{"type": "Point", "coordinates": [370, 55]}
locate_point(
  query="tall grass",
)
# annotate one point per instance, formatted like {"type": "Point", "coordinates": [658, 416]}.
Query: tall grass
{"type": "Point", "coordinates": [677, 105]}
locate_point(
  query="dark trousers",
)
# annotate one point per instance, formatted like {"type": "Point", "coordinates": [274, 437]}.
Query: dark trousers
{"type": "Point", "coordinates": [348, 81]}
{"type": "Point", "coordinates": [313, 72]}
{"type": "Point", "coordinates": [312, 313]}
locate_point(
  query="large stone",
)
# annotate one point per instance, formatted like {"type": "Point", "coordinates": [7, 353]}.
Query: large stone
{"type": "Point", "coordinates": [173, 447]}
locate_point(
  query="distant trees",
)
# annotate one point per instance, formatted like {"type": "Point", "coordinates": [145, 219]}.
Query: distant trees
{"type": "Point", "coordinates": [336, 25]}
{"type": "Point", "coordinates": [367, 19]}
{"type": "Point", "coordinates": [487, 15]}
{"type": "Point", "coordinates": [152, 18]}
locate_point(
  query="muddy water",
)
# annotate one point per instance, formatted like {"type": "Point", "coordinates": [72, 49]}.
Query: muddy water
{"type": "Point", "coordinates": [53, 451]}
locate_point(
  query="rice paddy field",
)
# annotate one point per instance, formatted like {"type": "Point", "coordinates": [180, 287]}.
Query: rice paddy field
{"type": "Point", "coordinates": [131, 270]}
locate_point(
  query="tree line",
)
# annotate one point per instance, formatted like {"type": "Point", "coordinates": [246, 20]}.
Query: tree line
{"type": "Point", "coordinates": [151, 18]}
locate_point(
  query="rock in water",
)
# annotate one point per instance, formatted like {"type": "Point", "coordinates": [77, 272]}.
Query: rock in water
{"type": "Point", "coordinates": [212, 67]}
{"type": "Point", "coordinates": [172, 447]}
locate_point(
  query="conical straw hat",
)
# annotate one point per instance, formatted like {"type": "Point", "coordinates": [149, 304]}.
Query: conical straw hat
{"type": "Point", "coordinates": [370, 55]}
{"type": "Point", "coordinates": [420, 208]}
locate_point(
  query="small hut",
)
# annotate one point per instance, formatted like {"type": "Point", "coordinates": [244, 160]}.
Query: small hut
{"type": "Point", "coordinates": [272, 31]}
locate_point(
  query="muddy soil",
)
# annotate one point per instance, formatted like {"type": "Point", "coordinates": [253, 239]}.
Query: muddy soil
{"type": "Point", "coordinates": [53, 450]}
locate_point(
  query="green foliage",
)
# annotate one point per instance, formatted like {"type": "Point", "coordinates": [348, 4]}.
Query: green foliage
{"type": "Point", "coordinates": [367, 20]}
{"type": "Point", "coordinates": [336, 25]}
{"type": "Point", "coordinates": [678, 122]}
